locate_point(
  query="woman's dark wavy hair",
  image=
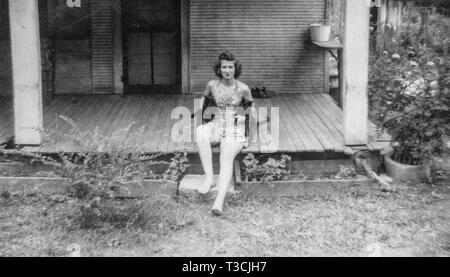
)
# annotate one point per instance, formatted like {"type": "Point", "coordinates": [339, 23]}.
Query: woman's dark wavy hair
{"type": "Point", "coordinates": [227, 56]}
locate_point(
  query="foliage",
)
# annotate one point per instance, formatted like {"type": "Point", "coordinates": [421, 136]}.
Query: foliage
{"type": "Point", "coordinates": [409, 92]}
{"type": "Point", "coordinates": [177, 167]}
{"type": "Point", "coordinates": [271, 170]}
{"type": "Point", "coordinates": [345, 173]}
{"type": "Point", "coordinates": [101, 167]}
{"type": "Point", "coordinates": [250, 167]}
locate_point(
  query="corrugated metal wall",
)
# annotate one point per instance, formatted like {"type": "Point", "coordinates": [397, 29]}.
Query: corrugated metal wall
{"type": "Point", "coordinates": [102, 47]}
{"type": "Point", "coordinates": [270, 38]}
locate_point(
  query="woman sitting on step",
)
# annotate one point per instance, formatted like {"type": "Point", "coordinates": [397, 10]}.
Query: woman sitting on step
{"type": "Point", "coordinates": [230, 98]}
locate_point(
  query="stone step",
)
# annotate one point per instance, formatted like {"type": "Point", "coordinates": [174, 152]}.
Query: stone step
{"type": "Point", "coordinates": [190, 183]}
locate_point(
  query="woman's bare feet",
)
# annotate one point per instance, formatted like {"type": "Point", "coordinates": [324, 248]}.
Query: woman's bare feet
{"type": "Point", "coordinates": [207, 184]}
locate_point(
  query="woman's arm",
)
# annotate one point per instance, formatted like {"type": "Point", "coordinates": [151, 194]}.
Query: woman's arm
{"type": "Point", "coordinates": [206, 93]}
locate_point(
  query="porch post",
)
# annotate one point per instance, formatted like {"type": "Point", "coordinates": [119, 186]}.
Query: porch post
{"type": "Point", "coordinates": [118, 51]}
{"type": "Point", "coordinates": [355, 72]}
{"type": "Point", "coordinates": [26, 67]}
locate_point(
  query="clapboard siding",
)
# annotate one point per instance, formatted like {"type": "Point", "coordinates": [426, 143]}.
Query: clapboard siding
{"type": "Point", "coordinates": [102, 47]}
{"type": "Point", "coordinates": [270, 38]}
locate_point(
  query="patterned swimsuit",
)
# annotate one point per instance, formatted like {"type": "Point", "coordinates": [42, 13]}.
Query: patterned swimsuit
{"type": "Point", "coordinates": [227, 124]}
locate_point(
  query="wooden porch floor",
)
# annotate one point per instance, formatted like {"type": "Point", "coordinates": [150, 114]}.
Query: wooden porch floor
{"type": "Point", "coordinates": [308, 122]}
{"type": "Point", "coordinates": [6, 119]}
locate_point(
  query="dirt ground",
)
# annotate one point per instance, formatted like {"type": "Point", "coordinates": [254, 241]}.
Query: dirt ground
{"type": "Point", "coordinates": [412, 221]}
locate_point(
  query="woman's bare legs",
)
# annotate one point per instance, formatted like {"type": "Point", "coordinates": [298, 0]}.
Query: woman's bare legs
{"type": "Point", "coordinates": [203, 135]}
{"type": "Point", "coordinates": [228, 151]}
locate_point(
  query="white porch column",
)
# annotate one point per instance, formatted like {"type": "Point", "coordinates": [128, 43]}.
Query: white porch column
{"type": "Point", "coordinates": [26, 66]}
{"type": "Point", "coordinates": [355, 72]}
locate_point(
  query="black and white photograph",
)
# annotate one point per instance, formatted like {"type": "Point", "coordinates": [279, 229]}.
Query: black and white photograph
{"type": "Point", "coordinates": [225, 129]}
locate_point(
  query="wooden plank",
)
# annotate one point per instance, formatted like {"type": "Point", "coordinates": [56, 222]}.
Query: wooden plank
{"type": "Point", "coordinates": [89, 118]}
{"type": "Point", "coordinates": [66, 108]}
{"type": "Point", "coordinates": [166, 124]}
{"type": "Point", "coordinates": [7, 134]}
{"type": "Point", "coordinates": [107, 121]}
{"type": "Point", "coordinates": [326, 126]}
{"type": "Point", "coordinates": [134, 114]}
{"type": "Point", "coordinates": [51, 112]}
{"type": "Point", "coordinates": [6, 119]}
{"type": "Point", "coordinates": [291, 108]}
{"type": "Point", "coordinates": [149, 104]}
{"type": "Point", "coordinates": [327, 113]}
{"type": "Point", "coordinates": [309, 139]}
{"type": "Point", "coordinates": [183, 101]}
{"type": "Point", "coordinates": [333, 113]}
{"type": "Point", "coordinates": [191, 146]}
{"type": "Point", "coordinates": [104, 108]}
{"type": "Point", "coordinates": [316, 142]}
{"type": "Point", "coordinates": [324, 111]}
{"type": "Point", "coordinates": [124, 116]}
{"type": "Point", "coordinates": [172, 145]}
{"type": "Point", "coordinates": [147, 118]}
{"type": "Point", "coordinates": [291, 123]}
{"type": "Point", "coordinates": [158, 130]}
{"type": "Point", "coordinates": [78, 113]}
{"type": "Point", "coordinates": [117, 122]}
{"type": "Point", "coordinates": [292, 138]}
{"type": "Point", "coordinates": [333, 105]}
{"type": "Point", "coordinates": [262, 129]}
{"type": "Point", "coordinates": [253, 146]}
{"type": "Point", "coordinates": [51, 107]}
{"type": "Point", "coordinates": [284, 143]}
{"type": "Point", "coordinates": [316, 125]}
{"type": "Point", "coordinates": [62, 128]}
{"type": "Point", "coordinates": [326, 75]}
{"type": "Point", "coordinates": [151, 133]}
{"type": "Point", "coordinates": [89, 112]}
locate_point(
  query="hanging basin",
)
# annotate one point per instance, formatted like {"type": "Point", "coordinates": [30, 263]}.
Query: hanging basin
{"type": "Point", "coordinates": [320, 32]}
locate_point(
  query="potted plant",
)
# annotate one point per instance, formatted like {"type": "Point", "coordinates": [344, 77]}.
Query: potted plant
{"type": "Point", "coordinates": [410, 99]}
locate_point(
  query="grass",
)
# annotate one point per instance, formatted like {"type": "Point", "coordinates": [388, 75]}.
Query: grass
{"type": "Point", "coordinates": [412, 221]}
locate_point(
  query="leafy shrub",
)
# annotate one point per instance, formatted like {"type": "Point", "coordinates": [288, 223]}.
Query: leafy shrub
{"type": "Point", "coordinates": [101, 168]}
{"type": "Point", "coordinates": [409, 92]}
{"type": "Point", "coordinates": [177, 167]}
{"type": "Point", "coordinates": [271, 170]}
{"type": "Point", "coordinates": [345, 173]}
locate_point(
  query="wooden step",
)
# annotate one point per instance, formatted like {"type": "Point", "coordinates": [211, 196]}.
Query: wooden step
{"type": "Point", "coordinates": [189, 185]}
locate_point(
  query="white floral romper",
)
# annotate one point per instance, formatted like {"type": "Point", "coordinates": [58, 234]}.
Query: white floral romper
{"type": "Point", "coordinates": [227, 124]}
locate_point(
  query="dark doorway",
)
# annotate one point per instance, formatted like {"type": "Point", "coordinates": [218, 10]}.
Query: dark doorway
{"type": "Point", "coordinates": [152, 46]}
